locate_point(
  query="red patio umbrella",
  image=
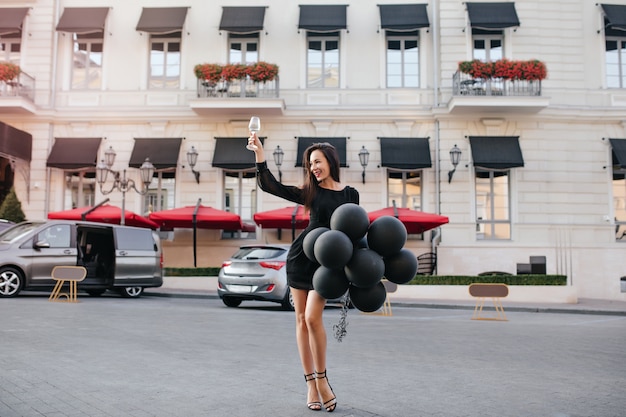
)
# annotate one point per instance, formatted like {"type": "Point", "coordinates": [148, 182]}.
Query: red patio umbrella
{"type": "Point", "coordinates": [105, 213]}
{"type": "Point", "coordinates": [291, 217]}
{"type": "Point", "coordinates": [206, 218]}
{"type": "Point", "coordinates": [415, 221]}
{"type": "Point", "coordinates": [194, 217]}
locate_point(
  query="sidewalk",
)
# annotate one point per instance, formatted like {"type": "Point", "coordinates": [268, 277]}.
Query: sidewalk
{"type": "Point", "coordinates": [206, 287]}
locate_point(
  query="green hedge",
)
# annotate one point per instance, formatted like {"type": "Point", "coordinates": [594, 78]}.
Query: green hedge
{"type": "Point", "coordinates": [504, 279]}
{"type": "Point", "coordinates": [418, 280]}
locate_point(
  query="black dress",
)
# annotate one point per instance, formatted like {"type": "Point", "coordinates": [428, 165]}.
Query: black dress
{"type": "Point", "coordinates": [299, 268]}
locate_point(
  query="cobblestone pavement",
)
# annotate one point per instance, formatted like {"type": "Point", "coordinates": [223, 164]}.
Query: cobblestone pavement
{"type": "Point", "coordinates": [187, 357]}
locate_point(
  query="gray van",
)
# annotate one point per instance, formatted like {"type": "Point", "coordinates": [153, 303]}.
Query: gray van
{"type": "Point", "coordinates": [120, 258]}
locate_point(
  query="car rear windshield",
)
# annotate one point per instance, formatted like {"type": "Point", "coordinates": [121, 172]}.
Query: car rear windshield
{"type": "Point", "coordinates": [258, 253]}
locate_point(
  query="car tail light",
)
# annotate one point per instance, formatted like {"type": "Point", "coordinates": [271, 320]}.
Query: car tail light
{"type": "Point", "coordinates": [273, 264]}
{"type": "Point", "coordinates": [226, 263]}
{"type": "Point", "coordinates": [161, 260]}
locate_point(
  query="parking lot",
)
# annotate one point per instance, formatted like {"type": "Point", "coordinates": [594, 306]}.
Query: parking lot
{"type": "Point", "coordinates": [174, 356]}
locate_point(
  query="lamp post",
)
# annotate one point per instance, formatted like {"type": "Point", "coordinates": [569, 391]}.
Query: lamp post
{"type": "Point", "coordinates": [192, 159]}
{"type": "Point", "coordinates": [120, 182]}
{"type": "Point", "coordinates": [278, 160]}
{"type": "Point", "coordinates": [455, 157]}
{"type": "Point", "coordinates": [364, 158]}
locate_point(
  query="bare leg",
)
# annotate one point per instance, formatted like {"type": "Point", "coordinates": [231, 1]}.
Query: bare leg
{"type": "Point", "coordinates": [304, 349]}
{"type": "Point", "coordinates": [317, 340]}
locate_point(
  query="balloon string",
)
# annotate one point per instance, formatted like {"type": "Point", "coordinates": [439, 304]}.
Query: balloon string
{"type": "Point", "coordinates": [340, 328]}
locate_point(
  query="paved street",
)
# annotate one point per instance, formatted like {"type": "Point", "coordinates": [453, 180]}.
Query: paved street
{"type": "Point", "coordinates": [173, 356]}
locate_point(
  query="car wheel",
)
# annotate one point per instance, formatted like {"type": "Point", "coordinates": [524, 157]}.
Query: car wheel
{"type": "Point", "coordinates": [231, 302]}
{"type": "Point", "coordinates": [11, 282]}
{"type": "Point", "coordinates": [287, 303]}
{"type": "Point", "coordinates": [95, 293]}
{"type": "Point", "coordinates": [131, 292]}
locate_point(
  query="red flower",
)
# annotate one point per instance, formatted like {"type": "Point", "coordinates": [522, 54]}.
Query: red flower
{"type": "Point", "coordinates": [509, 70]}
{"type": "Point", "coordinates": [8, 71]}
{"type": "Point", "coordinates": [234, 72]}
{"type": "Point", "coordinates": [209, 72]}
{"type": "Point", "coordinates": [262, 71]}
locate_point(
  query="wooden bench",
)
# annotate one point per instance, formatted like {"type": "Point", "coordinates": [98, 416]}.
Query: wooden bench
{"type": "Point", "coordinates": [496, 292]}
{"type": "Point", "coordinates": [70, 274]}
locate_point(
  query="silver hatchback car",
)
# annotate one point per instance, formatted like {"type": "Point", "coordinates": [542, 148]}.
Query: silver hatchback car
{"type": "Point", "coordinates": [255, 272]}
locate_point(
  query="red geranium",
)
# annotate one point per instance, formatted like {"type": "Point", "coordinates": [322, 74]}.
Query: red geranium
{"type": "Point", "coordinates": [262, 71]}
{"type": "Point", "coordinates": [509, 70]}
{"type": "Point", "coordinates": [208, 72]}
{"type": "Point", "coordinates": [8, 71]}
{"type": "Point", "coordinates": [234, 72]}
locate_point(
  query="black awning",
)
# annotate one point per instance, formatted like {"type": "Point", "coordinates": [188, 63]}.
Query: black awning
{"type": "Point", "coordinates": [231, 153]}
{"type": "Point", "coordinates": [403, 17]}
{"type": "Point", "coordinates": [242, 19]}
{"type": "Point", "coordinates": [83, 19]}
{"type": "Point", "coordinates": [322, 18]}
{"type": "Point", "coordinates": [74, 153]}
{"type": "Point", "coordinates": [615, 15]}
{"type": "Point", "coordinates": [619, 152]}
{"type": "Point", "coordinates": [496, 152]}
{"type": "Point", "coordinates": [11, 19]}
{"type": "Point", "coordinates": [162, 20]}
{"type": "Point", "coordinates": [492, 16]}
{"type": "Point", "coordinates": [338, 143]}
{"type": "Point", "coordinates": [162, 152]}
{"type": "Point", "coordinates": [15, 143]}
{"type": "Point", "coordinates": [405, 153]}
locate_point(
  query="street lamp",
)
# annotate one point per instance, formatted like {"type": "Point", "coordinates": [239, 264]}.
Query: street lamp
{"type": "Point", "coordinates": [455, 157]}
{"type": "Point", "coordinates": [192, 159]}
{"type": "Point", "coordinates": [364, 158]}
{"type": "Point", "coordinates": [278, 160]}
{"type": "Point", "coordinates": [120, 182]}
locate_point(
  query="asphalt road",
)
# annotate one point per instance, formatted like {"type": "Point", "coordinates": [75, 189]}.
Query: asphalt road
{"type": "Point", "coordinates": [188, 357]}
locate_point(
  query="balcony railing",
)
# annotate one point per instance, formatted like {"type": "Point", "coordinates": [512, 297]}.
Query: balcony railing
{"type": "Point", "coordinates": [245, 88]}
{"type": "Point", "coordinates": [464, 85]}
{"type": "Point", "coordinates": [22, 86]}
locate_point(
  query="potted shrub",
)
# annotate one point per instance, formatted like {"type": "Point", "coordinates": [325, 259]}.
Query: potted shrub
{"type": "Point", "coordinates": [262, 72]}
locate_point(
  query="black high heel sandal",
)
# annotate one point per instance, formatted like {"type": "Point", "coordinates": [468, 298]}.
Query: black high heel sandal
{"type": "Point", "coordinates": [331, 404]}
{"type": "Point", "coordinates": [313, 405]}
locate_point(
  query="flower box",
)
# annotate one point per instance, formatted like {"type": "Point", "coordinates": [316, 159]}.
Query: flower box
{"type": "Point", "coordinates": [531, 70]}
{"type": "Point", "coordinates": [257, 72]}
{"type": "Point", "coordinates": [8, 71]}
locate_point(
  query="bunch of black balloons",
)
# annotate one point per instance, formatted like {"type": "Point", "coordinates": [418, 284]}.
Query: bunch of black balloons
{"type": "Point", "coordinates": [355, 255]}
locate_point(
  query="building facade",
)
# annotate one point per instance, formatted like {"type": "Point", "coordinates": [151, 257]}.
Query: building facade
{"type": "Point", "coordinates": [542, 162]}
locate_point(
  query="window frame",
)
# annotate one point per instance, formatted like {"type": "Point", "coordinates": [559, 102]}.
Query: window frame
{"type": "Point", "coordinates": [403, 38]}
{"type": "Point", "coordinates": [90, 40]}
{"type": "Point", "coordinates": [405, 195]}
{"type": "Point", "coordinates": [492, 221]}
{"type": "Point", "coordinates": [245, 40]}
{"type": "Point", "coordinates": [487, 36]}
{"type": "Point", "coordinates": [621, 58]}
{"type": "Point", "coordinates": [237, 197]}
{"type": "Point", "coordinates": [324, 38]}
{"type": "Point", "coordinates": [161, 82]}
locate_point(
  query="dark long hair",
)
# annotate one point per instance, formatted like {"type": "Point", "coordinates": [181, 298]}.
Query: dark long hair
{"type": "Point", "coordinates": [310, 184]}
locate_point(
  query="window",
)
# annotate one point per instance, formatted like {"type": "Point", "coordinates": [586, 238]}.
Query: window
{"type": "Point", "coordinates": [323, 60]}
{"type": "Point", "coordinates": [87, 62]}
{"type": "Point", "coordinates": [240, 197]}
{"type": "Point", "coordinates": [165, 61]}
{"type": "Point", "coordinates": [492, 205]}
{"type": "Point", "coordinates": [402, 59]}
{"type": "Point", "coordinates": [244, 49]}
{"type": "Point", "coordinates": [57, 236]}
{"type": "Point", "coordinates": [615, 59]}
{"type": "Point", "coordinates": [487, 45]}
{"type": "Point", "coordinates": [10, 48]}
{"type": "Point", "coordinates": [404, 190]}
{"type": "Point", "coordinates": [160, 195]}
{"type": "Point", "coordinates": [81, 190]}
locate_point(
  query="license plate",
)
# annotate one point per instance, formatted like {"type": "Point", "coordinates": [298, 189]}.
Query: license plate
{"type": "Point", "coordinates": [241, 288]}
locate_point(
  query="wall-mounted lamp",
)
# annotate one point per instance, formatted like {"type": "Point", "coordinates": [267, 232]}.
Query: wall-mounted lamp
{"type": "Point", "coordinates": [455, 157]}
{"type": "Point", "coordinates": [278, 160]}
{"type": "Point", "coordinates": [120, 182]}
{"type": "Point", "coordinates": [364, 158]}
{"type": "Point", "coordinates": [192, 159]}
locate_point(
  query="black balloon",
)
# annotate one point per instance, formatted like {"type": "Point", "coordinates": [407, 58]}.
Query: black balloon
{"type": "Point", "coordinates": [333, 249]}
{"type": "Point", "coordinates": [330, 283]}
{"type": "Point", "coordinates": [361, 243]}
{"type": "Point", "coordinates": [370, 299]}
{"type": "Point", "coordinates": [386, 235]}
{"type": "Point", "coordinates": [309, 242]}
{"type": "Point", "coordinates": [401, 267]}
{"type": "Point", "coordinates": [351, 219]}
{"type": "Point", "coordinates": [365, 268]}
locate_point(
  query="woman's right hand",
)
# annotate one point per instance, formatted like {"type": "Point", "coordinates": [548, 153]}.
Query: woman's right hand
{"type": "Point", "coordinates": [258, 152]}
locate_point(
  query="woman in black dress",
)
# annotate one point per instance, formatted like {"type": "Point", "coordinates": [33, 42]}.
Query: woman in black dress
{"type": "Point", "coordinates": [321, 194]}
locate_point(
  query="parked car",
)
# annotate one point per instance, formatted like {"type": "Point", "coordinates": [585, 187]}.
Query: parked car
{"type": "Point", "coordinates": [5, 224]}
{"type": "Point", "coordinates": [256, 272]}
{"type": "Point", "coordinates": [120, 258]}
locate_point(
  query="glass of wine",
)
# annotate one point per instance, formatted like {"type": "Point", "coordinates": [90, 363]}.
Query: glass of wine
{"type": "Point", "coordinates": [254, 127]}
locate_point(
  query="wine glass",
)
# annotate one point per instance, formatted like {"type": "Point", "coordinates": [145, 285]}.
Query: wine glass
{"type": "Point", "coordinates": [254, 126]}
